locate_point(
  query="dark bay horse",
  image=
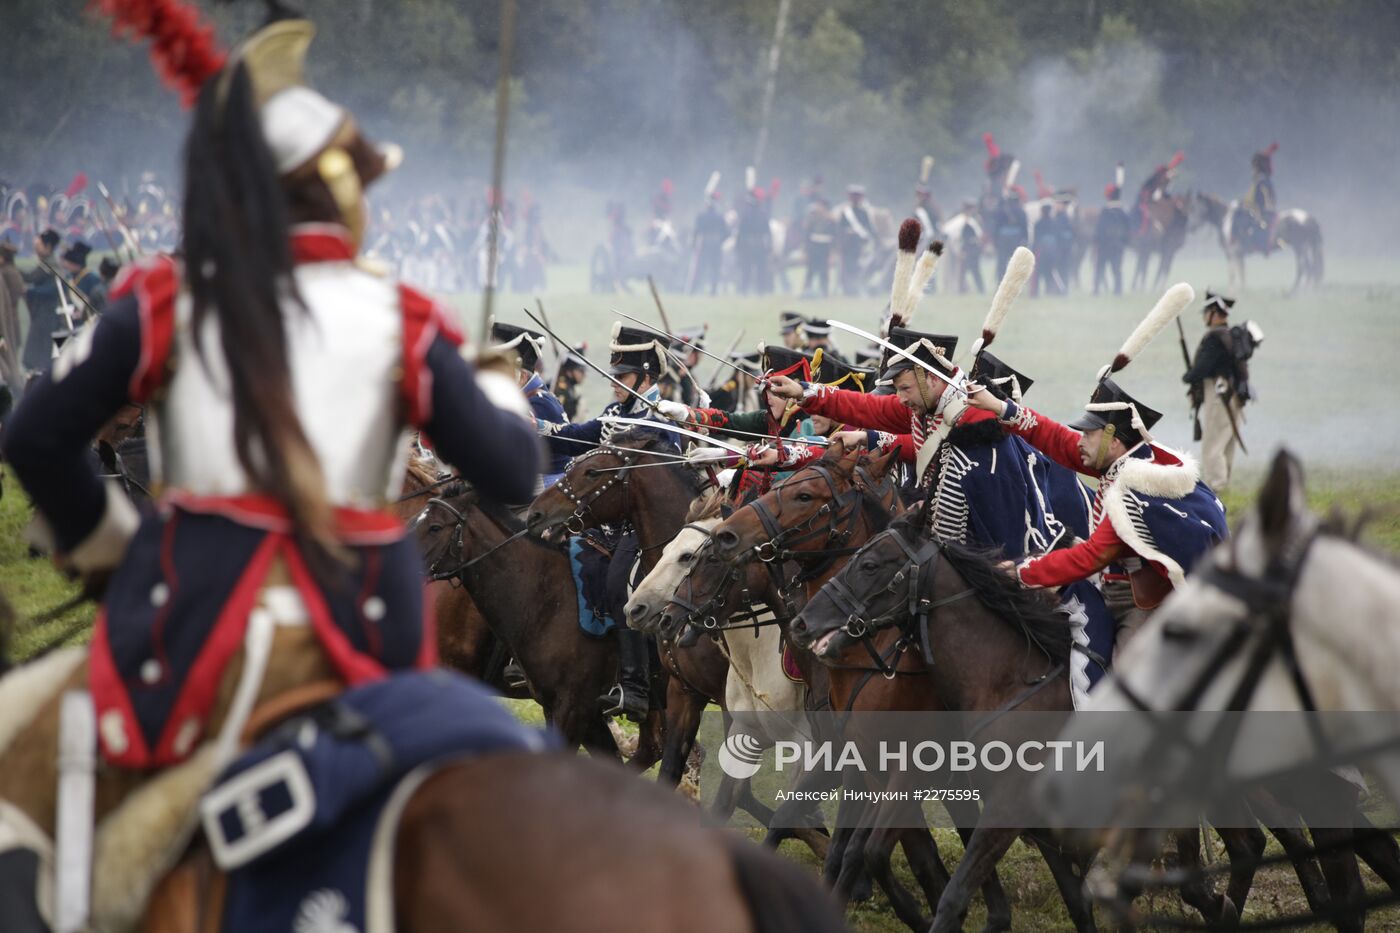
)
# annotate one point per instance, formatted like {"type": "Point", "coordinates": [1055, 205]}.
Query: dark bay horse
{"type": "Point", "coordinates": [631, 481]}
{"type": "Point", "coordinates": [1294, 228]}
{"type": "Point", "coordinates": [817, 517]}
{"type": "Point", "coordinates": [525, 589]}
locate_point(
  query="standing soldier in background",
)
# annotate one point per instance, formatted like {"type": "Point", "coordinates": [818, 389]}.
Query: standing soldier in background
{"type": "Point", "coordinates": [1215, 384]}
{"type": "Point", "coordinates": [818, 233]}
{"type": "Point", "coordinates": [107, 271]}
{"type": "Point", "coordinates": [711, 230]}
{"type": "Point", "coordinates": [964, 230]}
{"type": "Point", "coordinates": [1047, 255]}
{"type": "Point", "coordinates": [753, 244]}
{"type": "Point", "coordinates": [1261, 203]}
{"type": "Point", "coordinates": [926, 213]}
{"type": "Point", "coordinates": [854, 234]}
{"type": "Point", "coordinates": [572, 372]}
{"type": "Point", "coordinates": [790, 327]}
{"type": "Point", "coordinates": [42, 298]}
{"type": "Point", "coordinates": [1010, 227]}
{"type": "Point", "coordinates": [80, 277]}
{"type": "Point", "coordinates": [1111, 234]}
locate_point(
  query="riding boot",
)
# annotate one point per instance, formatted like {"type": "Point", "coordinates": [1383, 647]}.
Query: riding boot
{"type": "Point", "coordinates": [630, 696]}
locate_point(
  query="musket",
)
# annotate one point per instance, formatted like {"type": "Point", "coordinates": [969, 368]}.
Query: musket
{"type": "Point", "coordinates": [559, 353]}
{"type": "Point", "coordinates": [1234, 426]}
{"type": "Point", "coordinates": [594, 366]}
{"type": "Point", "coordinates": [660, 308]}
{"type": "Point", "coordinates": [1195, 408]}
{"type": "Point", "coordinates": [132, 243]}
{"type": "Point", "coordinates": [957, 384]}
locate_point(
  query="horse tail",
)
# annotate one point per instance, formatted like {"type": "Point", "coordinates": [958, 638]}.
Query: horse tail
{"type": "Point", "coordinates": [1316, 232]}
{"type": "Point", "coordinates": [781, 897]}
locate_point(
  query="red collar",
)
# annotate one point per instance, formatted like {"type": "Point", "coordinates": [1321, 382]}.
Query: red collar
{"type": "Point", "coordinates": [321, 243]}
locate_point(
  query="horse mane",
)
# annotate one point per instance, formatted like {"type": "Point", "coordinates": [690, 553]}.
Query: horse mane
{"type": "Point", "coordinates": [1033, 612]}
{"type": "Point", "coordinates": [420, 473]}
{"type": "Point", "coordinates": [656, 442]}
{"type": "Point", "coordinates": [706, 506]}
{"type": "Point", "coordinates": [880, 517]}
{"type": "Point", "coordinates": [1036, 614]}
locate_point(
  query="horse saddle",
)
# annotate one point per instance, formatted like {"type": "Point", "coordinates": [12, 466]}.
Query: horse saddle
{"type": "Point", "coordinates": [299, 832]}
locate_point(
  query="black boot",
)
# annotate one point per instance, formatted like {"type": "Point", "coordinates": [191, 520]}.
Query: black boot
{"type": "Point", "coordinates": [630, 696]}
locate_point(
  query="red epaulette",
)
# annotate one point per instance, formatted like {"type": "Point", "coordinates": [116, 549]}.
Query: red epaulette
{"type": "Point", "coordinates": [155, 283]}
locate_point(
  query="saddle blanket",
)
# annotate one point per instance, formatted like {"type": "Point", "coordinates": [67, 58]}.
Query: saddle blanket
{"type": "Point", "coordinates": [305, 822]}
{"type": "Point", "coordinates": [590, 569]}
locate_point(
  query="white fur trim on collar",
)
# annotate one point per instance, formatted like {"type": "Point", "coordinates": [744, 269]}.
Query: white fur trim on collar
{"type": "Point", "coordinates": [1164, 480]}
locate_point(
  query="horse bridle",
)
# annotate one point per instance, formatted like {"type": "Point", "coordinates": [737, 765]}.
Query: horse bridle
{"type": "Point", "coordinates": [583, 504]}
{"type": "Point", "coordinates": [705, 615]}
{"type": "Point", "coordinates": [1268, 601]}
{"type": "Point", "coordinates": [457, 544]}
{"type": "Point", "coordinates": [842, 507]}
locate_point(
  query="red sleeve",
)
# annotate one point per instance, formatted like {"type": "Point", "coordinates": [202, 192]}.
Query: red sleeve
{"type": "Point", "coordinates": [880, 412]}
{"type": "Point", "coordinates": [1051, 438]}
{"type": "Point", "coordinates": [1075, 563]}
{"type": "Point", "coordinates": [423, 321]}
{"type": "Point", "coordinates": [904, 443]}
{"type": "Point", "coordinates": [155, 284]}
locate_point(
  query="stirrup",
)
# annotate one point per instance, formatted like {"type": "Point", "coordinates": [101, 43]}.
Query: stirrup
{"type": "Point", "coordinates": [620, 701]}
{"type": "Point", "coordinates": [513, 676]}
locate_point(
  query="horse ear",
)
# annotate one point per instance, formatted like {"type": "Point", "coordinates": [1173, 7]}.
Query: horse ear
{"type": "Point", "coordinates": [880, 463]}
{"type": "Point", "coordinates": [835, 452]}
{"type": "Point", "coordinates": [1282, 501]}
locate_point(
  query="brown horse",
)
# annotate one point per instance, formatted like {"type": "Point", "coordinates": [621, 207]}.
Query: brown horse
{"type": "Point", "coordinates": [525, 590]}
{"type": "Point", "coordinates": [631, 481]}
{"type": "Point", "coordinates": [501, 842]}
{"type": "Point", "coordinates": [817, 517]}
{"type": "Point", "coordinates": [1294, 228]}
{"type": "Point", "coordinates": [1164, 235]}
{"type": "Point", "coordinates": [465, 640]}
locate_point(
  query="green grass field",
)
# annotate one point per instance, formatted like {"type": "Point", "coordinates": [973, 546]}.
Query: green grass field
{"type": "Point", "coordinates": [1325, 379]}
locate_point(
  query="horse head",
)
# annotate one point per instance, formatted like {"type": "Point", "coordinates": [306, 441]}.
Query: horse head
{"type": "Point", "coordinates": [646, 609]}
{"type": "Point", "coordinates": [869, 593]}
{"type": "Point", "coordinates": [595, 489]}
{"type": "Point", "coordinates": [1281, 617]}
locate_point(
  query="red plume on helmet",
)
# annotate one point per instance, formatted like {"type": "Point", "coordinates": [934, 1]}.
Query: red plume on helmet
{"type": "Point", "coordinates": [993, 150]}
{"type": "Point", "coordinates": [183, 48]}
{"type": "Point", "coordinates": [1264, 160]}
{"type": "Point", "coordinates": [1177, 159]}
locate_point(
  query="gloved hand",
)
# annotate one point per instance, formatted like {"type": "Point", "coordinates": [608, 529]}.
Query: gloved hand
{"type": "Point", "coordinates": [704, 399]}
{"type": "Point", "coordinates": [763, 455]}
{"type": "Point", "coordinates": [673, 410]}
{"type": "Point", "coordinates": [703, 455]}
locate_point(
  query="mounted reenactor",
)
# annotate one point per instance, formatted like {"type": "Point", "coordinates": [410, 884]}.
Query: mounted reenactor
{"type": "Point", "coordinates": [1261, 203]}
{"type": "Point", "coordinates": [1152, 516]}
{"type": "Point", "coordinates": [283, 381]}
{"type": "Point", "coordinates": [527, 345]}
{"type": "Point", "coordinates": [637, 364]}
{"type": "Point", "coordinates": [1155, 189]}
{"type": "Point", "coordinates": [790, 329]}
{"type": "Point", "coordinates": [1219, 387]}
{"type": "Point", "coordinates": [981, 485]}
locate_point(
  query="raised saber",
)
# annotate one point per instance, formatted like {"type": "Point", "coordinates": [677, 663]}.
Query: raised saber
{"type": "Point", "coordinates": [957, 384]}
{"type": "Point", "coordinates": [675, 429]}
{"type": "Point", "coordinates": [594, 366]}
{"type": "Point", "coordinates": [682, 340]}
{"type": "Point", "coordinates": [660, 308]}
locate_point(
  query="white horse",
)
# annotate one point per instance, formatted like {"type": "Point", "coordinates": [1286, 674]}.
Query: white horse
{"type": "Point", "coordinates": [756, 682]}
{"type": "Point", "coordinates": [1283, 617]}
